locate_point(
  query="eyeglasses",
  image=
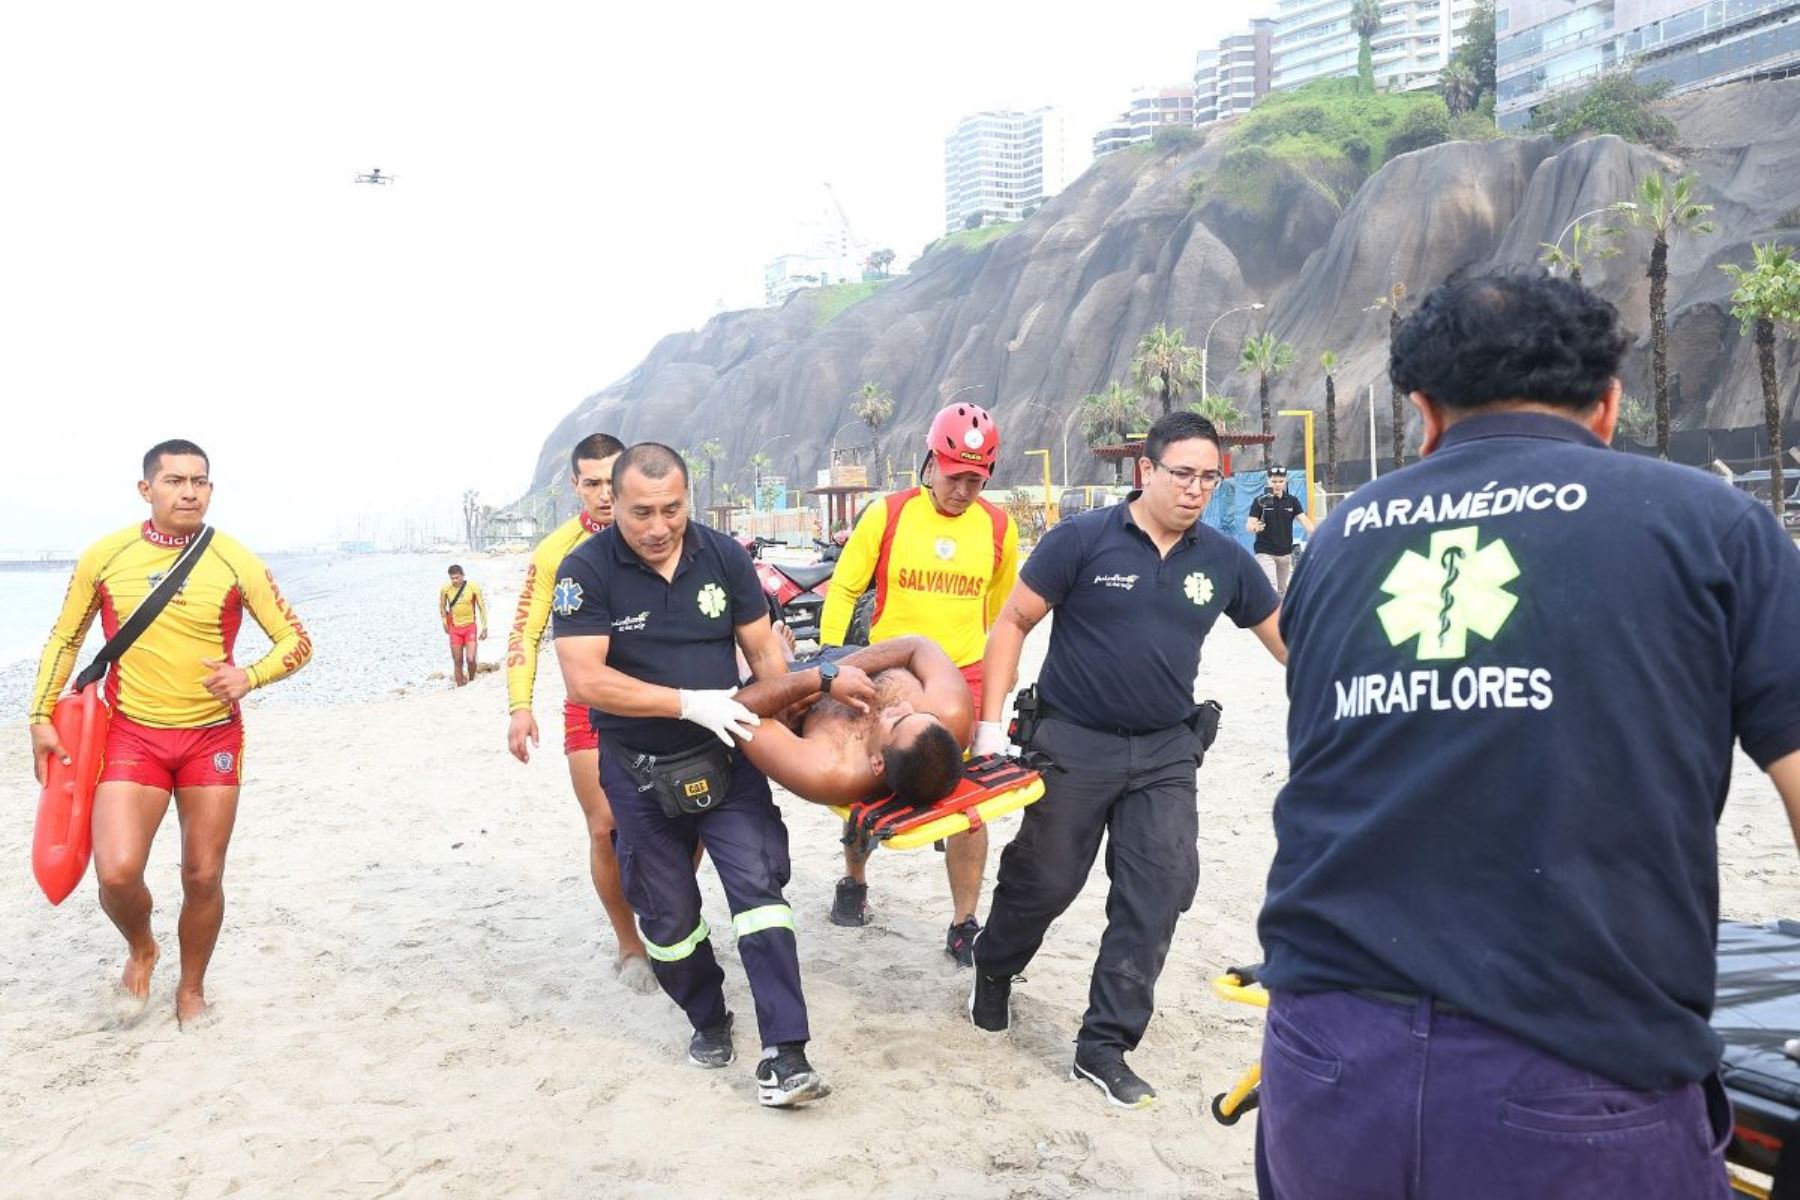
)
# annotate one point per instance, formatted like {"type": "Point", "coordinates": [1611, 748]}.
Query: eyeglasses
{"type": "Point", "coordinates": [1187, 477]}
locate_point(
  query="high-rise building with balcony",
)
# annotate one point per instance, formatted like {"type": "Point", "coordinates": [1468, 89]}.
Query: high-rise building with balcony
{"type": "Point", "coordinates": [1000, 164]}
{"type": "Point", "coordinates": [1314, 39]}
{"type": "Point", "coordinates": [1544, 47]}
{"type": "Point", "coordinates": [1231, 77]}
{"type": "Point", "coordinates": [1150, 109]}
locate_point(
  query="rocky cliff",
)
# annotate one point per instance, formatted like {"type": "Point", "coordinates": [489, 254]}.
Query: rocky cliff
{"type": "Point", "coordinates": [1030, 322]}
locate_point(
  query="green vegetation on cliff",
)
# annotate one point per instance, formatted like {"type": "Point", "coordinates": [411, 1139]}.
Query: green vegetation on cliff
{"type": "Point", "coordinates": [1329, 136]}
{"type": "Point", "coordinates": [831, 301]}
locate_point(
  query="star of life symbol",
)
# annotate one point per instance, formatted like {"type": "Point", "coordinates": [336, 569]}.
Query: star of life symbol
{"type": "Point", "coordinates": [566, 598]}
{"type": "Point", "coordinates": [712, 600]}
{"type": "Point", "coordinates": [1198, 587]}
{"type": "Point", "coordinates": [1456, 588]}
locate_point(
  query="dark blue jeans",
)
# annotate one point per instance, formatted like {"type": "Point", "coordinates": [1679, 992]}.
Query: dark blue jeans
{"type": "Point", "coordinates": [1366, 1099]}
{"type": "Point", "coordinates": [748, 845]}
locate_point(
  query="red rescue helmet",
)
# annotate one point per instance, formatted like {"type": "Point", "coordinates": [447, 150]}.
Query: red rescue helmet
{"type": "Point", "coordinates": [964, 440]}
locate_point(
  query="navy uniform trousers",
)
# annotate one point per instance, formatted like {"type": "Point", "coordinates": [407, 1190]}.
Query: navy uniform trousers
{"type": "Point", "coordinates": [1140, 792]}
{"type": "Point", "coordinates": [748, 845]}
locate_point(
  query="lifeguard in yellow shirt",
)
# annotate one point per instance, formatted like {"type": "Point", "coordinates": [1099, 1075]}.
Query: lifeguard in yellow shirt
{"type": "Point", "coordinates": [463, 610]}
{"type": "Point", "coordinates": [590, 467]}
{"type": "Point", "coordinates": [941, 560]}
{"type": "Point", "coordinates": [175, 725]}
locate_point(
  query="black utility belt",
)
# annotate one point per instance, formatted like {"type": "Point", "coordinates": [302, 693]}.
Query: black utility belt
{"type": "Point", "coordinates": [686, 783]}
{"type": "Point", "coordinates": [1203, 720]}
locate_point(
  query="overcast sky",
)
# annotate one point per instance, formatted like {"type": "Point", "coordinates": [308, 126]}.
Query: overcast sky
{"type": "Point", "coordinates": [185, 254]}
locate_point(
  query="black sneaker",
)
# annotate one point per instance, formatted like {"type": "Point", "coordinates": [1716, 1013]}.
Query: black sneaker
{"type": "Point", "coordinates": [711, 1047]}
{"type": "Point", "coordinates": [784, 1079]}
{"type": "Point", "coordinates": [960, 944]}
{"type": "Point", "coordinates": [1110, 1074]}
{"type": "Point", "coordinates": [851, 904]}
{"type": "Point", "coordinates": [990, 1001]}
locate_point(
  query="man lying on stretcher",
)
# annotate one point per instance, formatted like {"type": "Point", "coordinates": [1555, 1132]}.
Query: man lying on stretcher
{"type": "Point", "coordinates": [909, 744]}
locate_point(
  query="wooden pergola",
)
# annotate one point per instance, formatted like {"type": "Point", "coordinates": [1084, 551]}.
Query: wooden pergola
{"type": "Point", "coordinates": [1134, 450]}
{"type": "Point", "coordinates": [841, 503]}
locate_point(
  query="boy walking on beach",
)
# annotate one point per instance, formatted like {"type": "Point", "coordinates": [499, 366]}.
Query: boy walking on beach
{"type": "Point", "coordinates": [174, 695]}
{"type": "Point", "coordinates": [464, 613]}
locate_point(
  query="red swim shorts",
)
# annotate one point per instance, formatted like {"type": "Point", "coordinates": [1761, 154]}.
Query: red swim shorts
{"type": "Point", "coordinates": [463, 635]}
{"type": "Point", "coordinates": [210, 756]}
{"type": "Point", "coordinates": [577, 733]}
{"type": "Point", "coordinates": [972, 676]}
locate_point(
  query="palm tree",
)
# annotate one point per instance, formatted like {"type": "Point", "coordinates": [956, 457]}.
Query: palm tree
{"type": "Point", "coordinates": [1328, 362]}
{"type": "Point", "coordinates": [1391, 302]}
{"type": "Point", "coordinates": [1365, 19]}
{"type": "Point", "coordinates": [1668, 211]}
{"type": "Point", "coordinates": [1221, 410]}
{"type": "Point", "coordinates": [759, 463]}
{"type": "Point", "coordinates": [1265, 357]}
{"type": "Point", "coordinates": [1109, 417]}
{"type": "Point", "coordinates": [873, 405]}
{"type": "Point", "coordinates": [710, 453]}
{"type": "Point", "coordinates": [1165, 366]}
{"type": "Point", "coordinates": [1460, 88]}
{"type": "Point", "coordinates": [1767, 295]}
{"type": "Point", "coordinates": [1585, 242]}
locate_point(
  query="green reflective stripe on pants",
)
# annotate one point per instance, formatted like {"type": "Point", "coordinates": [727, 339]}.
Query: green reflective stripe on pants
{"type": "Point", "coordinates": [769, 916]}
{"type": "Point", "coordinates": [681, 949]}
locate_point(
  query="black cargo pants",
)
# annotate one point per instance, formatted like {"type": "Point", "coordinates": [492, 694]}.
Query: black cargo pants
{"type": "Point", "coordinates": [1139, 791]}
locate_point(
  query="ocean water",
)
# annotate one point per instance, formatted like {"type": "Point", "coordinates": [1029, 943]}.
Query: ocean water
{"type": "Point", "coordinates": [372, 618]}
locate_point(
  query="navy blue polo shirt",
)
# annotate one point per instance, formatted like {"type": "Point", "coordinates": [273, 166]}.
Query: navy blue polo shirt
{"type": "Point", "coordinates": [1125, 644]}
{"type": "Point", "coordinates": [679, 633]}
{"type": "Point", "coordinates": [1515, 673]}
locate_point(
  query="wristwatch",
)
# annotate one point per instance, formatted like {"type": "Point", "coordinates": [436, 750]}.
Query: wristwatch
{"type": "Point", "coordinates": [827, 673]}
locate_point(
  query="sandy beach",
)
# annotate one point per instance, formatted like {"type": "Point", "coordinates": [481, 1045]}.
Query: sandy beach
{"type": "Point", "coordinates": [415, 997]}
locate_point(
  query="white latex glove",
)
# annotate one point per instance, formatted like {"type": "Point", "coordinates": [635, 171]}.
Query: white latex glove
{"type": "Point", "coordinates": [990, 738]}
{"type": "Point", "coordinates": [719, 712]}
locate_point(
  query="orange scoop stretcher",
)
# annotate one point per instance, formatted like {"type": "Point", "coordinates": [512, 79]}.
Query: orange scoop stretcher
{"type": "Point", "coordinates": [991, 787]}
{"type": "Point", "coordinates": [63, 841]}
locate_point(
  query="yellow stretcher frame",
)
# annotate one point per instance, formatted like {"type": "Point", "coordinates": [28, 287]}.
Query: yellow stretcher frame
{"type": "Point", "coordinates": [951, 824]}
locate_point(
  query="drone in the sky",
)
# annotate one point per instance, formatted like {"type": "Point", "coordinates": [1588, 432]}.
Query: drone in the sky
{"type": "Point", "coordinates": [375, 178]}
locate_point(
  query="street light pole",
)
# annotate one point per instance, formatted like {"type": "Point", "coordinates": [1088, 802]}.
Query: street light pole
{"type": "Point", "coordinates": [1619, 206]}
{"type": "Point", "coordinates": [756, 471]}
{"type": "Point", "coordinates": [1206, 342]}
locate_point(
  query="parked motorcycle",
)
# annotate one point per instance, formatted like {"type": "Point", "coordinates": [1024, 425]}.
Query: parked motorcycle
{"type": "Point", "coordinates": [796, 591]}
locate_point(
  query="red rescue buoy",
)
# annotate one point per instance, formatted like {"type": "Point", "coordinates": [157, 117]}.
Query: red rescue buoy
{"type": "Point", "coordinates": [64, 839]}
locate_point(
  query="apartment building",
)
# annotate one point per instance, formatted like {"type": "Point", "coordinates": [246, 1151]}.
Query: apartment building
{"type": "Point", "coordinates": [1233, 76]}
{"type": "Point", "coordinates": [1000, 163]}
{"type": "Point", "coordinates": [1546, 47]}
{"type": "Point", "coordinates": [1314, 39]}
{"type": "Point", "coordinates": [1148, 110]}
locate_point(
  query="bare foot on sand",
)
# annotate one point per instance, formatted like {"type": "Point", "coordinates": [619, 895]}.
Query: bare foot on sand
{"type": "Point", "coordinates": [131, 995]}
{"type": "Point", "coordinates": [191, 1009]}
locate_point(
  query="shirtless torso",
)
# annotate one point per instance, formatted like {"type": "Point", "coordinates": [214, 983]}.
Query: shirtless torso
{"type": "Point", "coordinates": [826, 751]}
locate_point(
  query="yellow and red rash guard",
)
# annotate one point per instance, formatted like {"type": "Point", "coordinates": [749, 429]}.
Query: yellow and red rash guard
{"type": "Point", "coordinates": [464, 611]}
{"type": "Point", "coordinates": [944, 578]}
{"type": "Point", "coordinates": [158, 680]}
{"type": "Point", "coordinates": [533, 615]}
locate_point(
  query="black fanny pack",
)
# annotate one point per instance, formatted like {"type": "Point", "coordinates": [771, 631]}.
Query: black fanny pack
{"type": "Point", "coordinates": [685, 784]}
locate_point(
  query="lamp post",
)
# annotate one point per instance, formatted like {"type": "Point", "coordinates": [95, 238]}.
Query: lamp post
{"type": "Point", "coordinates": [1205, 342]}
{"type": "Point", "coordinates": [1316, 503]}
{"type": "Point", "coordinates": [756, 471]}
{"type": "Point", "coordinates": [835, 432]}
{"type": "Point", "coordinates": [1049, 509]}
{"type": "Point", "coordinates": [1619, 206]}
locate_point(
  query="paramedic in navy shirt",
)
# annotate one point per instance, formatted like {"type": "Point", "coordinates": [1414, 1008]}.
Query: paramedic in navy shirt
{"type": "Point", "coordinates": [1136, 588]}
{"type": "Point", "coordinates": [1517, 671]}
{"type": "Point", "coordinates": [649, 615]}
